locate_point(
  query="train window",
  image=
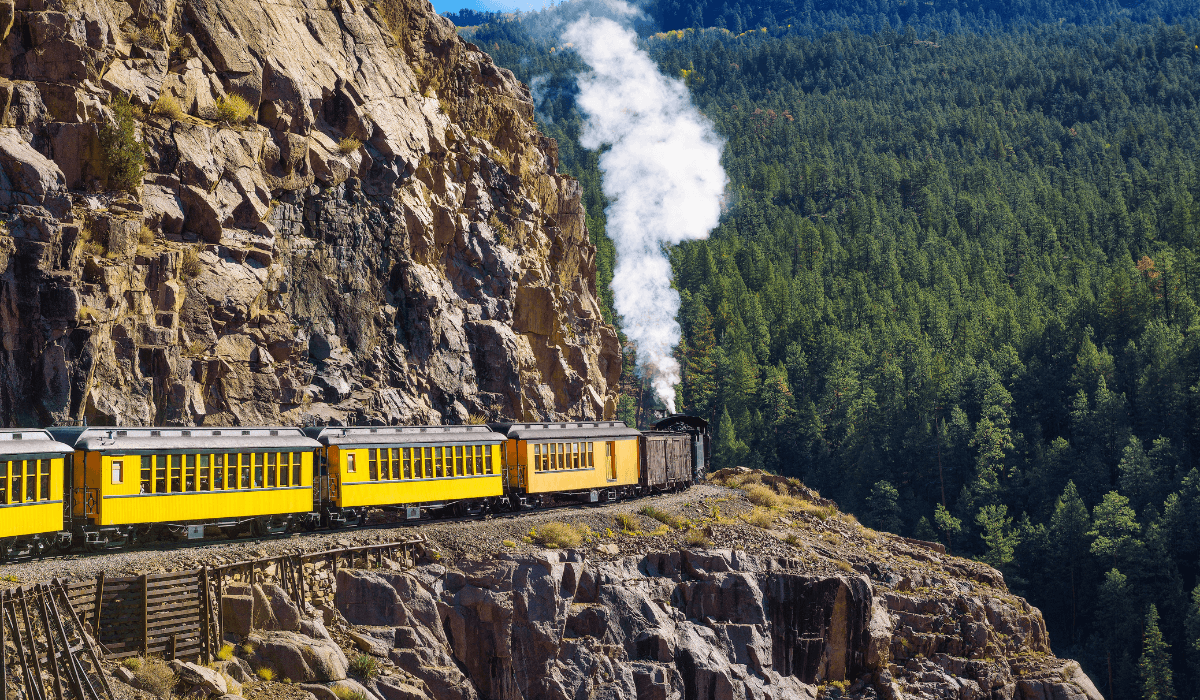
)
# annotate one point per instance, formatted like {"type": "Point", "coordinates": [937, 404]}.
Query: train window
{"type": "Point", "coordinates": [373, 464]}
{"type": "Point", "coordinates": [459, 469]}
{"type": "Point", "coordinates": [283, 469]}
{"type": "Point", "coordinates": [258, 470]}
{"type": "Point", "coordinates": [562, 456]}
{"type": "Point", "coordinates": [16, 482]}
{"type": "Point", "coordinates": [427, 465]}
{"type": "Point", "coordinates": [271, 469]}
{"type": "Point", "coordinates": [575, 455]}
{"type": "Point", "coordinates": [160, 474]}
{"type": "Point", "coordinates": [478, 450]}
{"type": "Point", "coordinates": [118, 471]}
{"type": "Point", "coordinates": [218, 472]}
{"type": "Point", "coordinates": [3, 482]}
{"type": "Point", "coordinates": [351, 468]}
{"type": "Point", "coordinates": [175, 468]}
{"type": "Point", "coordinates": [537, 457]}
{"type": "Point", "coordinates": [44, 494]}
{"type": "Point", "coordinates": [609, 461]}
{"type": "Point", "coordinates": [591, 463]}
{"type": "Point", "coordinates": [31, 480]}
{"type": "Point", "coordinates": [244, 482]}
{"type": "Point", "coordinates": [205, 482]}
{"type": "Point", "coordinates": [296, 469]}
{"type": "Point", "coordinates": [147, 473]}
{"type": "Point", "coordinates": [487, 457]}
{"type": "Point", "coordinates": [437, 463]}
{"type": "Point", "coordinates": [395, 473]}
{"type": "Point", "coordinates": [189, 475]}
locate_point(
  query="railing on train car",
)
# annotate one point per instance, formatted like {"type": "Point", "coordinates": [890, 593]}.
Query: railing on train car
{"type": "Point", "coordinates": [88, 498]}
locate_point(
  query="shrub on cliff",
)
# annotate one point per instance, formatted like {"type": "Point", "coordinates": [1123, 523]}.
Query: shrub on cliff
{"type": "Point", "coordinates": [124, 155]}
{"type": "Point", "coordinates": [558, 535]}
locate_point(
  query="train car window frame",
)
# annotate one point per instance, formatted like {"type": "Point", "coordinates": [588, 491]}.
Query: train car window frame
{"type": "Point", "coordinates": [147, 474]}
{"type": "Point", "coordinates": [394, 462]}
{"type": "Point", "coordinates": [610, 463]}
{"type": "Point", "coordinates": [244, 481]}
{"type": "Point", "coordinates": [285, 473]}
{"type": "Point", "coordinates": [427, 463]}
{"type": "Point", "coordinates": [487, 458]}
{"type": "Point", "coordinates": [160, 474]}
{"type": "Point", "coordinates": [117, 466]}
{"type": "Point", "coordinates": [537, 457]}
{"type": "Point", "coordinates": [351, 467]}
{"type": "Point", "coordinates": [175, 468]}
{"type": "Point", "coordinates": [406, 452]}
{"type": "Point", "coordinates": [190, 482]}
{"type": "Point", "coordinates": [439, 469]}
{"type": "Point", "coordinates": [297, 479]}
{"type": "Point", "coordinates": [17, 492]}
{"type": "Point", "coordinates": [591, 456]}
{"type": "Point", "coordinates": [459, 467]}
{"type": "Point", "coordinates": [44, 489]}
{"type": "Point", "coordinates": [218, 480]}
{"type": "Point", "coordinates": [272, 476]}
{"type": "Point", "coordinates": [258, 471]}
{"type": "Point", "coordinates": [4, 465]}
{"type": "Point", "coordinates": [204, 472]}
{"type": "Point", "coordinates": [373, 464]}
{"type": "Point", "coordinates": [30, 481]}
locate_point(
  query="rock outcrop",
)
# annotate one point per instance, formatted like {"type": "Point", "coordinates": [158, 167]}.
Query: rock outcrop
{"type": "Point", "coordinates": [700, 625]}
{"type": "Point", "coordinates": [384, 237]}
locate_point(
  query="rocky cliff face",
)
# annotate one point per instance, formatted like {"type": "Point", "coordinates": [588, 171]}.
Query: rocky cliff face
{"type": "Point", "coordinates": [383, 238]}
{"type": "Point", "coordinates": [694, 625]}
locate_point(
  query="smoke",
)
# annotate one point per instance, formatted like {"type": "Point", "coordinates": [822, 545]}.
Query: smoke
{"type": "Point", "coordinates": [662, 176]}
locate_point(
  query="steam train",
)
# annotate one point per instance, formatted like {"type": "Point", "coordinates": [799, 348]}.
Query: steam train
{"type": "Point", "coordinates": [109, 487]}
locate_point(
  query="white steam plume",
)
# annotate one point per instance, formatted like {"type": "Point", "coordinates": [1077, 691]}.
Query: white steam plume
{"type": "Point", "coordinates": [662, 175]}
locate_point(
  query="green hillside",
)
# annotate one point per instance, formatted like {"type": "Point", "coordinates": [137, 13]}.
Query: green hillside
{"type": "Point", "coordinates": [956, 290]}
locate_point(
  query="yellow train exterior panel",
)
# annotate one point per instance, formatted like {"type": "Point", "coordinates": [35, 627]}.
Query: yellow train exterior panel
{"type": "Point", "coordinates": [135, 489]}
{"type": "Point", "coordinates": [563, 466]}
{"type": "Point", "coordinates": [31, 496]}
{"type": "Point", "coordinates": [427, 474]}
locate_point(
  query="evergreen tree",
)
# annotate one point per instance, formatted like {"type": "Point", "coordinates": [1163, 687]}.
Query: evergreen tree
{"type": "Point", "coordinates": [1069, 538]}
{"type": "Point", "coordinates": [883, 507]}
{"type": "Point", "coordinates": [1155, 665]}
{"type": "Point", "coordinates": [728, 450]}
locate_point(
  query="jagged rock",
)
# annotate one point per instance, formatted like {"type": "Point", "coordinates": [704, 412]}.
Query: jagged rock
{"type": "Point", "coordinates": [210, 681]}
{"type": "Point", "coordinates": [237, 614]}
{"type": "Point", "coordinates": [391, 690]}
{"type": "Point", "coordinates": [284, 613]}
{"type": "Point", "coordinates": [438, 269]}
{"type": "Point", "coordinates": [299, 657]}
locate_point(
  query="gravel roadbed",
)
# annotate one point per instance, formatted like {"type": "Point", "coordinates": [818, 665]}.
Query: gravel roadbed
{"type": "Point", "coordinates": [456, 539]}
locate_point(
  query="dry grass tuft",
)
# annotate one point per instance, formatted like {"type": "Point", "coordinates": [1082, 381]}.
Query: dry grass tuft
{"type": "Point", "coordinates": [760, 495]}
{"type": "Point", "coordinates": [697, 538]}
{"type": "Point", "coordinates": [154, 676]}
{"type": "Point", "coordinates": [349, 145]}
{"type": "Point", "coordinates": [167, 106]}
{"type": "Point", "coordinates": [557, 535]}
{"type": "Point", "coordinates": [628, 522]}
{"type": "Point", "coordinates": [664, 517]}
{"type": "Point", "coordinates": [761, 517]}
{"type": "Point", "coordinates": [191, 263]}
{"type": "Point", "coordinates": [820, 512]}
{"type": "Point", "coordinates": [233, 108]}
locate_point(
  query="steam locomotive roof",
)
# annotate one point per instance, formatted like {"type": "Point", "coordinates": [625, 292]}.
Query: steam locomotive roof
{"type": "Point", "coordinates": [30, 441]}
{"type": "Point", "coordinates": [674, 421]}
{"type": "Point", "coordinates": [549, 432]}
{"type": "Point", "coordinates": [405, 435]}
{"type": "Point", "coordinates": [113, 439]}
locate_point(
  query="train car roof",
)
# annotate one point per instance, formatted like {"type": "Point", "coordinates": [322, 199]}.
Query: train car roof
{"type": "Point", "coordinates": [403, 435]}
{"type": "Point", "coordinates": [594, 429]}
{"type": "Point", "coordinates": [120, 439]}
{"type": "Point", "coordinates": [30, 441]}
{"type": "Point", "coordinates": [672, 422]}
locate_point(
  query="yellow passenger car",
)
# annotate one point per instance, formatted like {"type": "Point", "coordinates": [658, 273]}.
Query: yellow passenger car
{"type": "Point", "coordinates": [453, 469]}
{"type": "Point", "coordinates": [589, 460]}
{"type": "Point", "coordinates": [180, 482]}
{"type": "Point", "coordinates": [31, 491]}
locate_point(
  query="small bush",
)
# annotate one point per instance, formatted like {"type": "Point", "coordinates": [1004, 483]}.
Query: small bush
{"type": "Point", "coordinates": [349, 145]}
{"type": "Point", "coordinates": [663, 517]}
{"type": "Point", "coordinates": [761, 517]}
{"type": "Point", "coordinates": [124, 155]}
{"type": "Point", "coordinates": [793, 540]}
{"type": "Point", "coordinates": [233, 108]}
{"type": "Point", "coordinates": [344, 693]}
{"type": "Point", "coordinates": [266, 673]}
{"type": "Point", "coordinates": [248, 648]}
{"type": "Point", "coordinates": [558, 535]}
{"type": "Point", "coordinates": [845, 566]}
{"type": "Point", "coordinates": [660, 530]}
{"type": "Point", "coordinates": [696, 538]}
{"type": "Point", "coordinates": [146, 236]}
{"type": "Point", "coordinates": [509, 543]}
{"type": "Point", "coordinates": [628, 522]}
{"type": "Point", "coordinates": [155, 677]}
{"type": "Point", "coordinates": [132, 663]}
{"type": "Point", "coordinates": [225, 653]}
{"type": "Point", "coordinates": [364, 666]}
{"type": "Point", "coordinates": [167, 106]}
{"type": "Point", "coordinates": [760, 495]}
{"type": "Point", "coordinates": [191, 263]}
{"type": "Point", "coordinates": [821, 512]}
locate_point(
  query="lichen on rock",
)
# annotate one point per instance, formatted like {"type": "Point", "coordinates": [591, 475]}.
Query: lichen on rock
{"type": "Point", "coordinates": [384, 238]}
